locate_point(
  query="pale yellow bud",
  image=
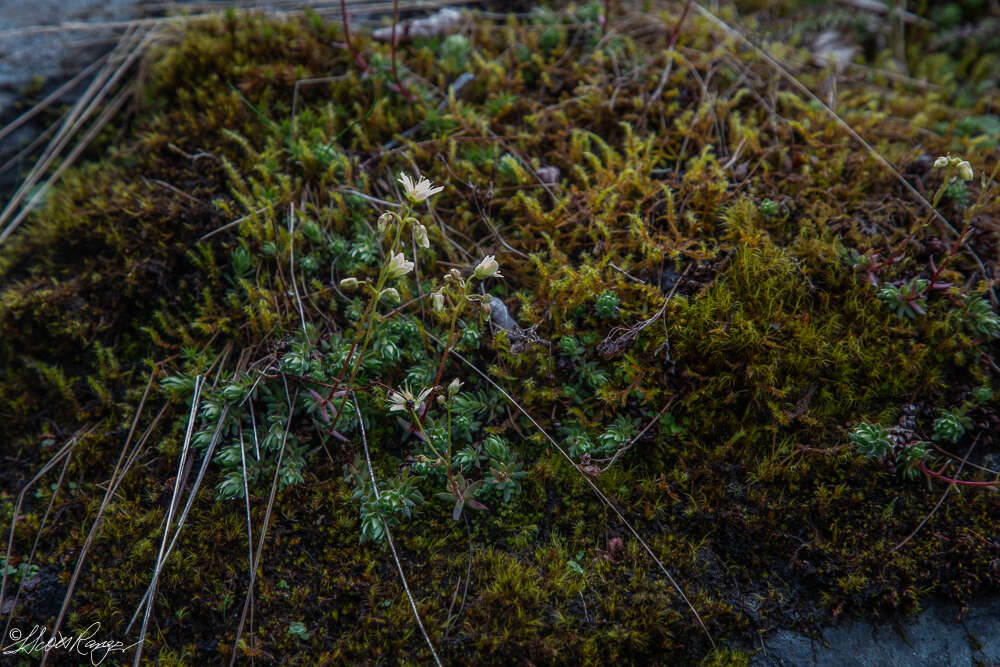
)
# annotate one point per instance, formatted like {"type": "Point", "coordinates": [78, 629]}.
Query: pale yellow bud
{"type": "Point", "coordinates": [384, 221]}
{"type": "Point", "coordinates": [965, 170]}
{"type": "Point", "coordinates": [420, 234]}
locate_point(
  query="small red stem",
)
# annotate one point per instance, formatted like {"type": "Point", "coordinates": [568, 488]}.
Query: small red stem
{"type": "Point", "coordinates": [944, 478]}
{"type": "Point", "coordinates": [395, 73]}
{"type": "Point", "coordinates": [677, 29]}
{"type": "Point", "coordinates": [347, 37]}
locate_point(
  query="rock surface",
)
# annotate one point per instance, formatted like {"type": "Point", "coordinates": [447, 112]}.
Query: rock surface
{"type": "Point", "coordinates": [31, 52]}
{"type": "Point", "coordinates": [935, 637]}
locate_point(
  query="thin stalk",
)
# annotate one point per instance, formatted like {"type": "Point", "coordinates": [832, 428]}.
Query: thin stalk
{"type": "Point", "coordinates": [951, 480]}
{"type": "Point", "coordinates": [368, 317]}
{"type": "Point", "coordinates": [395, 73]}
{"type": "Point", "coordinates": [449, 340]}
{"type": "Point", "coordinates": [347, 38]}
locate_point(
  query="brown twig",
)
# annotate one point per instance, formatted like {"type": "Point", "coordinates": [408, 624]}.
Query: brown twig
{"type": "Point", "coordinates": [677, 28]}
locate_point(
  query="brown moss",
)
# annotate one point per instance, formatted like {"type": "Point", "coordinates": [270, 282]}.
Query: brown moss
{"type": "Point", "coordinates": [770, 346]}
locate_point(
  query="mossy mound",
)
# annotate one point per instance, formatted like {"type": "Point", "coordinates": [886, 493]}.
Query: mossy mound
{"type": "Point", "coordinates": [679, 233]}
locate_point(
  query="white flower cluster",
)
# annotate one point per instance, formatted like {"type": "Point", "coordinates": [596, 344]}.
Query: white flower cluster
{"type": "Point", "coordinates": [488, 267]}
{"type": "Point", "coordinates": [416, 190]}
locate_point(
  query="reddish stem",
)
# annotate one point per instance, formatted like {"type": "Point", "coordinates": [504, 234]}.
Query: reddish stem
{"type": "Point", "coordinates": [437, 378]}
{"type": "Point", "coordinates": [395, 73]}
{"type": "Point", "coordinates": [951, 480]}
{"type": "Point", "coordinates": [677, 29]}
{"type": "Point", "coordinates": [347, 37]}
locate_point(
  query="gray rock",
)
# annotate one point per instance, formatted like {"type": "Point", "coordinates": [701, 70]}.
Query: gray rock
{"type": "Point", "coordinates": [933, 638]}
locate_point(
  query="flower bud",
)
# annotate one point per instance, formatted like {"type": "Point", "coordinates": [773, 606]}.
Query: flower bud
{"type": "Point", "coordinates": [391, 294]}
{"type": "Point", "coordinates": [941, 162]}
{"type": "Point", "coordinates": [384, 221]}
{"type": "Point", "coordinates": [965, 170]}
{"type": "Point", "coordinates": [437, 302]}
{"type": "Point", "coordinates": [420, 234]}
{"type": "Point", "coordinates": [349, 284]}
{"type": "Point", "coordinates": [454, 386]}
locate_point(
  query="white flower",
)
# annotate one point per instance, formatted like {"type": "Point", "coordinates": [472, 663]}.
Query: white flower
{"type": "Point", "coordinates": [398, 266]}
{"type": "Point", "coordinates": [405, 401]}
{"type": "Point", "coordinates": [420, 233]}
{"type": "Point", "coordinates": [965, 170]}
{"type": "Point", "coordinates": [941, 162]}
{"type": "Point", "coordinates": [488, 268]}
{"type": "Point", "coordinates": [418, 192]}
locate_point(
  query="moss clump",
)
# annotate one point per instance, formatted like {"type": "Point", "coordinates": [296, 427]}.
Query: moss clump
{"type": "Point", "coordinates": [698, 351]}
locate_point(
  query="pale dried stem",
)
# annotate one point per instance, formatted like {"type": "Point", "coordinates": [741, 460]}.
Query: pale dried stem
{"type": "Point", "coordinates": [263, 530]}
{"type": "Point", "coordinates": [385, 526]}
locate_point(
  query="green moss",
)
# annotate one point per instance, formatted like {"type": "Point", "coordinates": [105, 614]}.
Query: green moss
{"type": "Point", "coordinates": [172, 256]}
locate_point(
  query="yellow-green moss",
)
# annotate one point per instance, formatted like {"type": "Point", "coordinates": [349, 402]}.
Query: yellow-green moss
{"type": "Point", "coordinates": [769, 349]}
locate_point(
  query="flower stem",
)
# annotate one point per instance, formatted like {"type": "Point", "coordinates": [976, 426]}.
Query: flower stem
{"type": "Point", "coordinates": [367, 328]}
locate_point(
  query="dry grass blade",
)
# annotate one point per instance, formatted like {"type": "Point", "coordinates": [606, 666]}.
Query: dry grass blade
{"type": "Point", "coordinates": [195, 400]}
{"type": "Point", "coordinates": [117, 65]}
{"type": "Point", "coordinates": [291, 265]}
{"type": "Point", "coordinates": [388, 535]}
{"type": "Point", "coordinates": [51, 97]}
{"type": "Point", "coordinates": [149, 596]}
{"type": "Point", "coordinates": [34, 546]}
{"type": "Point", "coordinates": [229, 225]}
{"type": "Point", "coordinates": [113, 484]}
{"type": "Point", "coordinates": [184, 513]}
{"type": "Point", "coordinates": [63, 453]}
{"type": "Point", "coordinates": [263, 530]}
{"type": "Point", "coordinates": [246, 497]}
{"type": "Point", "coordinates": [600, 494]}
{"type": "Point", "coordinates": [276, 9]}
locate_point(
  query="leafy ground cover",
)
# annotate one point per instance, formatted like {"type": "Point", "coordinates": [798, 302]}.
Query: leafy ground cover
{"type": "Point", "coordinates": [730, 370]}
